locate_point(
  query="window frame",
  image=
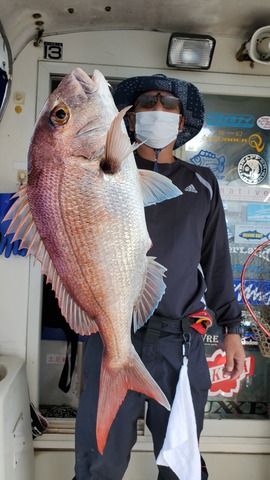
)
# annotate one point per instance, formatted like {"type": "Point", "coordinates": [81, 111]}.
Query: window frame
{"type": "Point", "coordinates": [233, 435]}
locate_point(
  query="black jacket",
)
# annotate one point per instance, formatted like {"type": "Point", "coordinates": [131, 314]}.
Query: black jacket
{"type": "Point", "coordinates": [189, 237]}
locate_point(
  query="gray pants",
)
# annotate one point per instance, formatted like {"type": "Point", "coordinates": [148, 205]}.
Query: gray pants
{"type": "Point", "coordinates": [162, 355]}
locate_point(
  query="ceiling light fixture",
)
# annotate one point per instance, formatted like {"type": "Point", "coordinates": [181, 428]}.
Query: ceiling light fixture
{"type": "Point", "coordinates": [190, 52]}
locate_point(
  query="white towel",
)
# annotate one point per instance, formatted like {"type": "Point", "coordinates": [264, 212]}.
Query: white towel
{"type": "Point", "coordinates": [180, 450]}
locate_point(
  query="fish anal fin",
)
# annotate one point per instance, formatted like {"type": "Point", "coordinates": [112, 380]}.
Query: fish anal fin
{"type": "Point", "coordinates": [114, 384]}
{"type": "Point", "coordinates": [76, 317]}
{"type": "Point", "coordinates": [156, 187]}
{"type": "Point", "coordinates": [152, 292]}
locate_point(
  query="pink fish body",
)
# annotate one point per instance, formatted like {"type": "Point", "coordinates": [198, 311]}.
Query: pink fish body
{"type": "Point", "coordinates": [82, 216]}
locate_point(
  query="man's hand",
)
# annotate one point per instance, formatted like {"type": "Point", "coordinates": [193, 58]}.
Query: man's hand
{"type": "Point", "coordinates": [235, 356]}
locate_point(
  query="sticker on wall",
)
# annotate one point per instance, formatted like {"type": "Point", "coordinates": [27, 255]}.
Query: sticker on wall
{"type": "Point", "coordinates": [258, 213]}
{"type": "Point", "coordinates": [222, 385]}
{"type": "Point", "coordinates": [210, 160]}
{"type": "Point", "coordinates": [264, 122]}
{"type": "Point", "coordinates": [252, 169]}
{"type": "Point", "coordinates": [229, 120]}
{"type": "Point", "coordinates": [53, 50]}
{"type": "Point", "coordinates": [250, 338]}
{"type": "Point", "coordinates": [257, 292]}
{"type": "Point", "coordinates": [256, 269]}
{"type": "Point", "coordinates": [255, 141]}
{"type": "Point", "coordinates": [243, 193]}
{"type": "Point", "coordinates": [249, 234]}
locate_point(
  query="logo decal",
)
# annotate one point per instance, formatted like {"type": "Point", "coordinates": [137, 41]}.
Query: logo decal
{"type": "Point", "coordinates": [230, 120]}
{"type": "Point", "coordinates": [256, 141]}
{"type": "Point", "coordinates": [257, 293]}
{"type": "Point", "coordinates": [258, 212]}
{"type": "Point", "coordinates": [254, 235]}
{"type": "Point", "coordinates": [208, 159]}
{"type": "Point", "coordinates": [252, 169]}
{"type": "Point", "coordinates": [246, 233]}
{"type": "Point", "coordinates": [224, 385]}
{"type": "Point", "coordinates": [264, 122]}
{"type": "Point", "coordinates": [191, 189]}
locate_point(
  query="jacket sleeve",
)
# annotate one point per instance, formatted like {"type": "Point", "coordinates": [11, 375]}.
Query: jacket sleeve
{"type": "Point", "coordinates": [216, 264]}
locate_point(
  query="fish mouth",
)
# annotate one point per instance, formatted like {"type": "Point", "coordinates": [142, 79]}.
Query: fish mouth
{"type": "Point", "coordinates": [89, 84]}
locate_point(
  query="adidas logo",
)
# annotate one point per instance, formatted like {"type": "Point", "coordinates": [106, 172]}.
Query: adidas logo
{"type": "Point", "coordinates": [191, 189]}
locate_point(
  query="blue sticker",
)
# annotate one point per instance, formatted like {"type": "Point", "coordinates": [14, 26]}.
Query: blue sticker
{"type": "Point", "coordinates": [258, 212]}
{"type": "Point", "coordinates": [254, 235]}
{"type": "Point", "coordinates": [255, 269]}
{"type": "Point", "coordinates": [248, 234]}
{"type": "Point", "coordinates": [229, 120]}
{"type": "Point", "coordinates": [256, 292]}
{"type": "Point", "coordinates": [209, 159]}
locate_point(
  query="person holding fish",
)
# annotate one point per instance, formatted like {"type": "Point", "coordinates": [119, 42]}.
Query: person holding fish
{"type": "Point", "coordinates": [189, 238]}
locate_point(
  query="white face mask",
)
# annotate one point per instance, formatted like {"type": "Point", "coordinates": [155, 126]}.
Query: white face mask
{"type": "Point", "coordinates": [157, 129]}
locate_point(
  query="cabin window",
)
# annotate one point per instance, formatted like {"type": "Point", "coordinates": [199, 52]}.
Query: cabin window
{"type": "Point", "coordinates": [234, 144]}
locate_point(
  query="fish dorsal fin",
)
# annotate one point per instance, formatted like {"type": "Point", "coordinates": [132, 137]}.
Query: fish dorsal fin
{"type": "Point", "coordinates": [156, 187]}
{"type": "Point", "coordinates": [153, 289]}
{"type": "Point", "coordinates": [118, 146]}
{"type": "Point", "coordinates": [24, 229]}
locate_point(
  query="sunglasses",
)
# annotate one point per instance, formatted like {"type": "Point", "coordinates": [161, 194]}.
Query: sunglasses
{"type": "Point", "coordinates": [149, 101]}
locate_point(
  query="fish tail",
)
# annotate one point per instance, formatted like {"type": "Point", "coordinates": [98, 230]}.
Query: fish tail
{"type": "Point", "coordinates": [114, 384]}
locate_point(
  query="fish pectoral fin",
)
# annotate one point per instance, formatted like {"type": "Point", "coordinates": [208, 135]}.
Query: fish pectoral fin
{"type": "Point", "coordinates": [152, 292]}
{"type": "Point", "coordinates": [114, 384]}
{"type": "Point", "coordinates": [24, 228]}
{"type": "Point", "coordinates": [156, 187]}
{"type": "Point", "coordinates": [118, 146]}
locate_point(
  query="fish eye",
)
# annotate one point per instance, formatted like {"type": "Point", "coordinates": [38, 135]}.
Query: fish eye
{"type": "Point", "coordinates": [60, 114]}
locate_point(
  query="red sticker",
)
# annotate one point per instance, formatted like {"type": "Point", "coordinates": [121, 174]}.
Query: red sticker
{"type": "Point", "coordinates": [222, 385]}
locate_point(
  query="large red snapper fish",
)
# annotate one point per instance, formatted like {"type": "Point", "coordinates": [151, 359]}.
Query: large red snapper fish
{"type": "Point", "coordinates": [82, 216]}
